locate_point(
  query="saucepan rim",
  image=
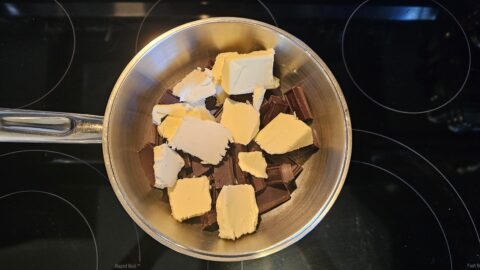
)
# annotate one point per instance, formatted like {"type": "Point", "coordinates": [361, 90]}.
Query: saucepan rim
{"type": "Point", "coordinates": [200, 253]}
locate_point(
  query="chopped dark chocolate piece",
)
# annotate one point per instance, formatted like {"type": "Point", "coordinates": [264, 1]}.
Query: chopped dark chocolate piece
{"type": "Point", "coordinates": [242, 177]}
{"type": "Point", "coordinates": [282, 169]}
{"type": "Point", "coordinates": [280, 173]}
{"type": "Point", "coordinates": [159, 139]}
{"type": "Point", "coordinates": [258, 184]}
{"type": "Point", "coordinates": [214, 194]}
{"type": "Point", "coordinates": [218, 114]}
{"type": "Point", "coordinates": [146, 160]}
{"type": "Point", "coordinates": [211, 103]}
{"type": "Point", "coordinates": [271, 109]}
{"type": "Point", "coordinates": [223, 173]}
{"type": "Point", "coordinates": [151, 134]}
{"type": "Point", "coordinates": [237, 148]}
{"type": "Point", "coordinates": [291, 186]}
{"type": "Point", "coordinates": [273, 92]}
{"type": "Point", "coordinates": [298, 103]}
{"type": "Point", "coordinates": [296, 168]}
{"type": "Point", "coordinates": [187, 159]}
{"type": "Point", "coordinates": [210, 64]}
{"type": "Point", "coordinates": [209, 221]}
{"type": "Point", "coordinates": [186, 171]}
{"type": "Point", "coordinates": [193, 220]}
{"type": "Point", "coordinates": [272, 197]}
{"type": "Point", "coordinates": [242, 98]}
{"type": "Point", "coordinates": [168, 98]}
{"type": "Point", "coordinates": [199, 169]}
{"type": "Point", "coordinates": [301, 155]}
{"type": "Point", "coordinates": [253, 146]}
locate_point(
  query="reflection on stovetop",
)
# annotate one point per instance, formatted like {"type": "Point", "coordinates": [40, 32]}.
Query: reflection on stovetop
{"type": "Point", "coordinates": [411, 206]}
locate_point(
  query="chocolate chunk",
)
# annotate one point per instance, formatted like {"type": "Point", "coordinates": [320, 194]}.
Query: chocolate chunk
{"type": "Point", "coordinates": [283, 170]}
{"type": "Point", "coordinates": [210, 64]}
{"type": "Point", "coordinates": [214, 194]}
{"type": "Point", "coordinates": [168, 98]}
{"type": "Point", "coordinates": [199, 169]}
{"type": "Point", "coordinates": [151, 134]}
{"type": "Point", "coordinates": [272, 197]}
{"type": "Point", "coordinates": [237, 148]}
{"type": "Point", "coordinates": [273, 92]}
{"type": "Point", "coordinates": [242, 98]}
{"type": "Point", "coordinates": [301, 155]}
{"type": "Point", "coordinates": [271, 109]}
{"type": "Point", "coordinates": [258, 184]}
{"type": "Point", "coordinates": [209, 221]}
{"type": "Point", "coordinates": [187, 159]}
{"type": "Point", "coordinates": [211, 103]}
{"type": "Point", "coordinates": [280, 173]}
{"type": "Point", "coordinates": [186, 171]}
{"type": "Point", "coordinates": [253, 146]}
{"type": "Point", "coordinates": [298, 103]}
{"type": "Point", "coordinates": [193, 220]}
{"type": "Point", "coordinates": [242, 177]}
{"type": "Point", "coordinates": [146, 160]}
{"type": "Point", "coordinates": [296, 169]}
{"type": "Point", "coordinates": [218, 113]}
{"type": "Point", "coordinates": [223, 173]}
{"type": "Point", "coordinates": [159, 139]}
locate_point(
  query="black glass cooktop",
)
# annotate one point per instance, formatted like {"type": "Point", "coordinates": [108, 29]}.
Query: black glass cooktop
{"type": "Point", "coordinates": [410, 72]}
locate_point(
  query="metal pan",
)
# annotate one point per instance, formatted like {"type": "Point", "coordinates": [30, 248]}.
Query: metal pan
{"type": "Point", "coordinates": [158, 66]}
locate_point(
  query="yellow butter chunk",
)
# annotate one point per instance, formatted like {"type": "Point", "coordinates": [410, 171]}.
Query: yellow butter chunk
{"type": "Point", "coordinates": [167, 165]}
{"type": "Point", "coordinates": [254, 163]}
{"type": "Point", "coordinates": [283, 134]}
{"type": "Point", "coordinates": [190, 197]}
{"type": "Point", "coordinates": [237, 211]}
{"type": "Point", "coordinates": [241, 119]}
{"type": "Point", "coordinates": [241, 73]}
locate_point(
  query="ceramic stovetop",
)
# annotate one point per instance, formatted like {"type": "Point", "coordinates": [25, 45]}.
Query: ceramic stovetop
{"type": "Point", "coordinates": [410, 72]}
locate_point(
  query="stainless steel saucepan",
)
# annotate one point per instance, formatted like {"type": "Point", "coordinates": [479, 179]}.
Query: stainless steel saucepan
{"type": "Point", "coordinates": [157, 67]}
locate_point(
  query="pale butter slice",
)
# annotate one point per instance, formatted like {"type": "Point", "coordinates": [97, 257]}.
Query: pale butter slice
{"type": "Point", "coordinates": [283, 134]}
{"type": "Point", "coordinates": [159, 111]}
{"type": "Point", "coordinates": [218, 66]}
{"type": "Point", "coordinates": [237, 211]}
{"type": "Point", "coordinates": [204, 139]}
{"type": "Point", "coordinates": [195, 87]}
{"type": "Point", "coordinates": [190, 197]}
{"type": "Point", "coordinates": [169, 126]}
{"type": "Point", "coordinates": [254, 163]}
{"type": "Point", "coordinates": [179, 110]}
{"type": "Point", "coordinates": [243, 72]}
{"type": "Point", "coordinates": [167, 165]}
{"type": "Point", "coordinates": [258, 95]}
{"type": "Point", "coordinates": [200, 112]}
{"type": "Point", "coordinates": [241, 119]}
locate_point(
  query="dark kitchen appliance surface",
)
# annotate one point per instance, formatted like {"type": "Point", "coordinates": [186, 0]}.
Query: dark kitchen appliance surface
{"type": "Point", "coordinates": [410, 71]}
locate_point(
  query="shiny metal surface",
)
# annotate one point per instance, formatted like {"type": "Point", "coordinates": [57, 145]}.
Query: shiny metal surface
{"type": "Point", "coordinates": [49, 127]}
{"type": "Point", "coordinates": [165, 61]}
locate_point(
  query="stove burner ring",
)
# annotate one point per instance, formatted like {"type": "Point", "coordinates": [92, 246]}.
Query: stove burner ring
{"type": "Point", "coordinates": [69, 62]}
{"type": "Point", "coordinates": [66, 202]}
{"type": "Point", "coordinates": [391, 108]}
{"type": "Point", "coordinates": [420, 196]}
{"type": "Point", "coordinates": [158, 2]}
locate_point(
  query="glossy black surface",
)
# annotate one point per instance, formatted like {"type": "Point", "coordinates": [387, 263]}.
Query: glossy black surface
{"type": "Point", "coordinates": [410, 77]}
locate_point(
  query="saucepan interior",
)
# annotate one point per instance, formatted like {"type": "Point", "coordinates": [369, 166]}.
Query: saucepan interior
{"type": "Point", "coordinates": [164, 62]}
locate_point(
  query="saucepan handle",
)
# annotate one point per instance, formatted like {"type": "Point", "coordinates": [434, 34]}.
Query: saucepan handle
{"type": "Point", "coordinates": [49, 127]}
